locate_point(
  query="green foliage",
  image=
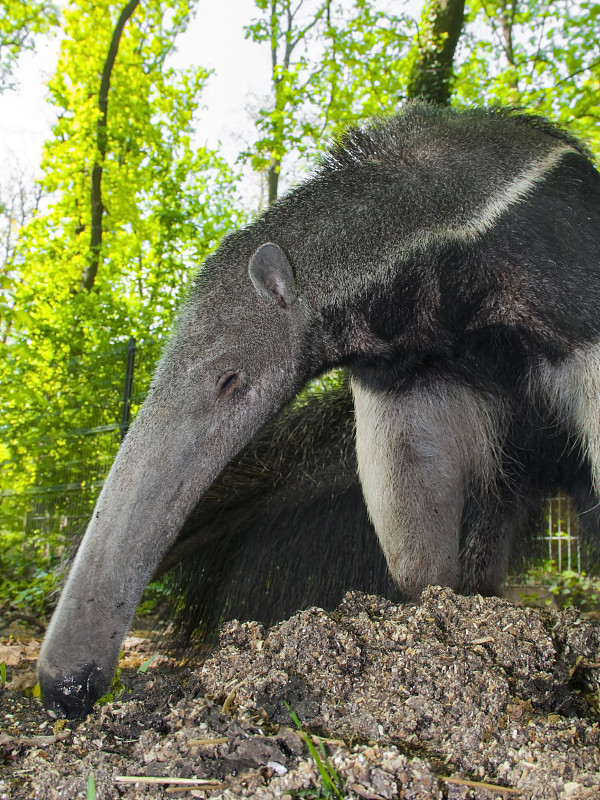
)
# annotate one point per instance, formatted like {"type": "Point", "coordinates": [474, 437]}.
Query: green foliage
{"type": "Point", "coordinates": [539, 54]}
{"type": "Point", "coordinates": [365, 67]}
{"type": "Point", "coordinates": [2, 672]}
{"type": "Point", "coordinates": [29, 571]}
{"type": "Point", "coordinates": [576, 589]}
{"type": "Point", "coordinates": [156, 594]}
{"type": "Point", "coordinates": [330, 380]}
{"type": "Point", "coordinates": [335, 64]}
{"type": "Point", "coordinates": [167, 203]}
{"type": "Point", "coordinates": [91, 787]}
{"type": "Point", "coordinates": [332, 64]}
{"type": "Point", "coordinates": [19, 23]}
{"type": "Point", "coordinates": [568, 587]}
{"type": "Point", "coordinates": [117, 687]}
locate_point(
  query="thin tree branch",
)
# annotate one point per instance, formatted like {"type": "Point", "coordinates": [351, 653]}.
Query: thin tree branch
{"type": "Point", "coordinates": [576, 72]}
{"type": "Point", "coordinates": [89, 275]}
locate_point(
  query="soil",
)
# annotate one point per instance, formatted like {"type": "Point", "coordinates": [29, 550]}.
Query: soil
{"type": "Point", "coordinates": [450, 698]}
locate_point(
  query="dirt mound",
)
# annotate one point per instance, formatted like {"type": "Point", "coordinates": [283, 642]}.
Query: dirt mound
{"type": "Point", "coordinates": [450, 698]}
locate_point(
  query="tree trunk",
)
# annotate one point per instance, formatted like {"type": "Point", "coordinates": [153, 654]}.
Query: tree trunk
{"type": "Point", "coordinates": [273, 178]}
{"type": "Point", "coordinates": [439, 32]}
{"type": "Point", "coordinates": [90, 272]}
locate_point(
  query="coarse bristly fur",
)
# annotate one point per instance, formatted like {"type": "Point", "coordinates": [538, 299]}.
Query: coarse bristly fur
{"type": "Point", "coordinates": [448, 260]}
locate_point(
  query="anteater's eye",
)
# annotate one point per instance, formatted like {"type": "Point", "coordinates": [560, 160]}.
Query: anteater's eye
{"type": "Point", "coordinates": [228, 381]}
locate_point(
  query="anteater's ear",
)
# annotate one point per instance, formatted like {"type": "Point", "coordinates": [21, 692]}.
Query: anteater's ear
{"type": "Point", "coordinates": [271, 274]}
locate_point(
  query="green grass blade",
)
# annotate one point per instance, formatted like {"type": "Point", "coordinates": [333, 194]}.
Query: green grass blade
{"type": "Point", "coordinates": [329, 775]}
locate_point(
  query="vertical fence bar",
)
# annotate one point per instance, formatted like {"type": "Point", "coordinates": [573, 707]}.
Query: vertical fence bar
{"type": "Point", "coordinates": [558, 539]}
{"type": "Point", "coordinates": [569, 538]}
{"type": "Point", "coordinates": [550, 526]}
{"type": "Point", "coordinates": [128, 387]}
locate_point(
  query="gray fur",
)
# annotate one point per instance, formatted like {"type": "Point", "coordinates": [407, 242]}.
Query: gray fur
{"type": "Point", "coordinates": [418, 460]}
{"type": "Point", "coordinates": [449, 261]}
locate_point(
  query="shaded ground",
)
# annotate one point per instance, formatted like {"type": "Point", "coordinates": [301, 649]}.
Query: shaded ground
{"type": "Point", "coordinates": [452, 698]}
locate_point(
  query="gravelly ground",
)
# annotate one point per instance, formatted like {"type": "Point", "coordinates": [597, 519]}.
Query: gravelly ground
{"type": "Point", "coordinates": [413, 701]}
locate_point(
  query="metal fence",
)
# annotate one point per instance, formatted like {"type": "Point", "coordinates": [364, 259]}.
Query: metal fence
{"type": "Point", "coordinates": [72, 463]}
{"type": "Point", "coordinates": [64, 501]}
{"type": "Point", "coordinates": [562, 543]}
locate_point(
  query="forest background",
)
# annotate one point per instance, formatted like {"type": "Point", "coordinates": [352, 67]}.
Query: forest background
{"type": "Point", "coordinates": [102, 247]}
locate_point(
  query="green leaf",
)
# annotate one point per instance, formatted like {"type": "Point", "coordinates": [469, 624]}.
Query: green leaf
{"type": "Point", "coordinates": [143, 668]}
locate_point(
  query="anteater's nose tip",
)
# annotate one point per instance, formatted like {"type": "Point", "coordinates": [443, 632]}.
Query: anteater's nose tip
{"type": "Point", "coordinates": [74, 696]}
